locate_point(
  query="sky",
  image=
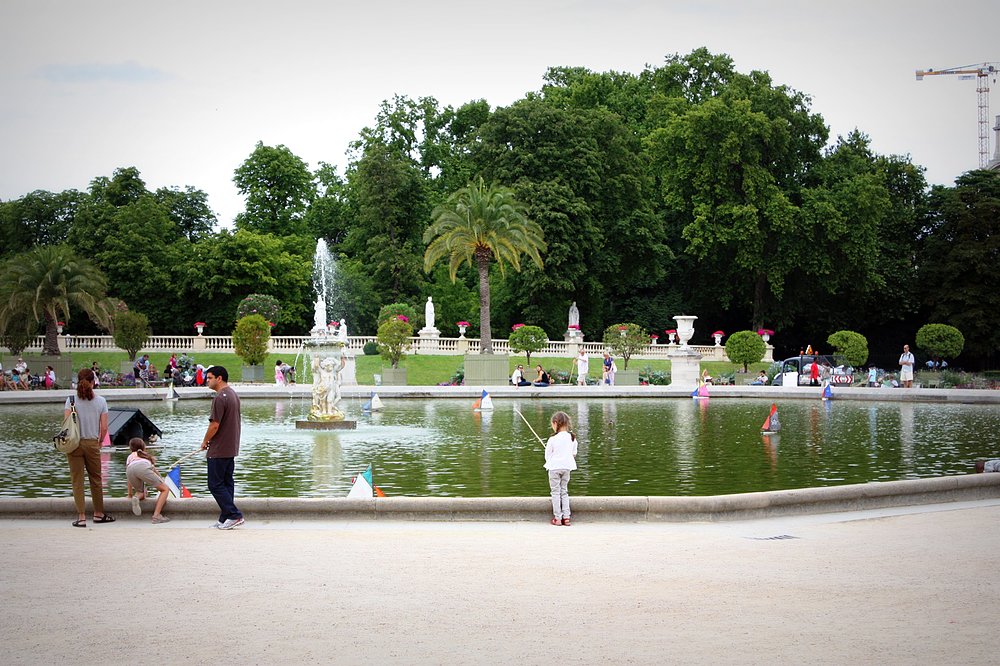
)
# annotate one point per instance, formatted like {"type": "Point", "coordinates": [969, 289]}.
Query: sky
{"type": "Point", "coordinates": [184, 90]}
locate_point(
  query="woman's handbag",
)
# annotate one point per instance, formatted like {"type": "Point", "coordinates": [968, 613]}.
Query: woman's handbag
{"type": "Point", "coordinates": [69, 437]}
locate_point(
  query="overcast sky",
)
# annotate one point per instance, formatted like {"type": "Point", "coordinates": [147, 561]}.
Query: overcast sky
{"type": "Point", "coordinates": [183, 90]}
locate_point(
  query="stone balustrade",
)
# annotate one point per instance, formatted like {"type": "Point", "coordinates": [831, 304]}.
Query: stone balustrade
{"type": "Point", "coordinates": [437, 347]}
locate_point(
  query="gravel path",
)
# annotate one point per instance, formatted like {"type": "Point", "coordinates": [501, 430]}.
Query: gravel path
{"type": "Point", "coordinates": [905, 586]}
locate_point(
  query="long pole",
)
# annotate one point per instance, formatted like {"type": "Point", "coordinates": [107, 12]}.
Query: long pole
{"type": "Point", "coordinates": [529, 426]}
{"type": "Point", "coordinates": [195, 452]}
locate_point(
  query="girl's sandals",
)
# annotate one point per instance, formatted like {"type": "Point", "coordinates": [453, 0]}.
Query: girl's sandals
{"type": "Point", "coordinates": [80, 523]}
{"type": "Point", "coordinates": [565, 522]}
{"type": "Point", "coordinates": [555, 521]}
{"type": "Point", "coordinates": [106, 518]}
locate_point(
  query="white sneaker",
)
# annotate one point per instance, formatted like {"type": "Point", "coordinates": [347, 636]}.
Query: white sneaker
{"type": "Point", "coordinates": [136, 509]}
{"type": "Point", "coordinates": [216, 525]}
{"type": "Point", "coordinates": [231, 523]}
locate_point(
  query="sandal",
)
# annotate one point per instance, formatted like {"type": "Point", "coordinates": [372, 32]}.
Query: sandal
{"type": "Point", "coordinates": [106, 518]}
{"type": "Point", "coordinates": [566, 522]}
{"type": "Point", "coordinates": [555, 521]}
{"type": "Point", "coordinates": [80, 523]}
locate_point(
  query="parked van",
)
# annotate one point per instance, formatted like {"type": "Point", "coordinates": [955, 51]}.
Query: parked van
{"type": "Point", "coordinates": [832, 366]}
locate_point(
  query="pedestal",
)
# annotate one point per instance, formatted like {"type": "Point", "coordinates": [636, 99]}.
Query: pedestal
{"type": "Point", "coordinates": [429, 340]}
{"type": "Point", "coordinates": [486, 369]}
{"type": "Point", "coordinates": [198, 344]}
{"type": "Point", "coordinates": [685, 364]}
{"type": "Point", "coordinates": [573, 335]}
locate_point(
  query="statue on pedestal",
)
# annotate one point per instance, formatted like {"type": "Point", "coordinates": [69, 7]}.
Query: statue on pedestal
{"type": "Point", "coordinates": [574, 316]}
{"type": "Point", "coordinates": [429, 313]}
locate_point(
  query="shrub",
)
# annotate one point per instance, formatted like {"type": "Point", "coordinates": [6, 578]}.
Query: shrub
{"type": "Point", "coordinates": [259, 304]}
{"type": "Point", "coordinates": [250, 339]}
{"type": "Point", "coordinates": [853, 346]}
{"type": "Point", "coordinates": [19, 335]}
{"type": "Point", "coordinates": [745, 347]}
{"type": "Point", "coordinates": [370, 348]}
{"type": "Point", "coordinates": [528, 339]}
{"type": "Point", "coordinates": [458, 378]}
{"type": "Point", "coordinates": [634, 339]}
{"type": "Point", "coordinates": [396, 309]}
{"type": "Point", "coordinates": [131, 332]}
{"type": "Point", "coordinates": [656, 377]}
{"type": "Point", "coordinates": [940, 341]}
{"type": "Point", "coordinates": [394, 339]}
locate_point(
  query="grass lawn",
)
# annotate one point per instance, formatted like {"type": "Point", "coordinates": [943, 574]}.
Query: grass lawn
{"type": "Point", "coordinates": [422, 370]}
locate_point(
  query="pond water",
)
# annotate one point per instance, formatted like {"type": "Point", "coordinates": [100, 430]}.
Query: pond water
{"type": "Point", "coordinates": [627, 447]}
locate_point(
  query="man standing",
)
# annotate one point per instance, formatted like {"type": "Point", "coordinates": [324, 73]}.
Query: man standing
{"type": "Point", "coordinates": [582, 368]}
{"type": "Point", "coordinates": [222, 439]}
{"type": "Point", "coordinates": [906, 367]}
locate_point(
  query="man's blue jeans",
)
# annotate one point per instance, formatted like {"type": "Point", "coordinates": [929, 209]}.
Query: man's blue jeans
{"type": "Point", "coordinates": [222, 487]}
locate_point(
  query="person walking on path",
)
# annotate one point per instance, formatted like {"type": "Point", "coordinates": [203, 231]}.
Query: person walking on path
{"type": "Point", "coordinates": [92, 410]}
{"type": "Point", "coordinates": [222, 439]}
{"type": "Point", "coordinates": [906, 367]}
{"type": "Point", "coordinates": [560, 460]}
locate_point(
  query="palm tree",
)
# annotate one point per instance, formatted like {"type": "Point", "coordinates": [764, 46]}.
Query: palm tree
{"type": "Point", "coordinates": [44, 282]}
{"type": "Point", "coordinates": [476, 224]}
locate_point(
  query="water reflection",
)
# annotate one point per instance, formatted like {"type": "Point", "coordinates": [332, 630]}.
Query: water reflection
{"type": "Point", "coordinates": [627, 447]}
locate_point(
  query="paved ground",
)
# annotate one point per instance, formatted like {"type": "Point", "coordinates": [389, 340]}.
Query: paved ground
{"type": "Point", "coordinates": [904, 586]}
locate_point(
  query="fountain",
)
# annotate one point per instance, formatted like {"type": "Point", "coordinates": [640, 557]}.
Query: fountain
{"type": "Point", "coordinates": [327, 350]}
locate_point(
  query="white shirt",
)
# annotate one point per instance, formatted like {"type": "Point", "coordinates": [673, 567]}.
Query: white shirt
{"type": "Point", "coordinates": [516, 376]}
{"type": "Point", "coordinates": [906, 357]}
{"type": "Point", "coordinates": [560, 452]}
{"type": "Point", "coordinates": [582, 364]}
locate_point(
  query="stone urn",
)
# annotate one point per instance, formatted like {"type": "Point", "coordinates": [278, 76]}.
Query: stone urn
{"type": "Point", "coordinates": [685, 328]}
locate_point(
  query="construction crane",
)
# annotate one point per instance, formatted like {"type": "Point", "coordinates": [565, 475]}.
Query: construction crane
{"type": "Point", "coordinates": [982, 72]}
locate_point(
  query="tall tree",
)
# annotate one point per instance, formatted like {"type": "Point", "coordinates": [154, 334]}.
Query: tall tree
{"type": "Point", "coordinates": [477, 225]}
{"type": "Point", "coordinates": [189, 210]}
{"type": "Point", "coordinates": [959, 259]}
{"type": "Point", "coordinates": [278, 188]}
{"type": "Point", "coordinates": [45, 283]}
{"type": "Point", "coordinates": [37, 218]}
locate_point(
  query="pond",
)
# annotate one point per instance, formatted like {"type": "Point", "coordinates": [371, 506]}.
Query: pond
{"type": "Point", "coordinates": [440, 447]}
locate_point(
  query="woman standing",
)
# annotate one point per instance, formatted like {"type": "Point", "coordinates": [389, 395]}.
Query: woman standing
{"type": "Point", "coordinates": [92, 411]}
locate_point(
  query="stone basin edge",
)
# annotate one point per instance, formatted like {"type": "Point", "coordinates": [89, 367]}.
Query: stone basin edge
{"type": "Point", "coordinates": [626, 509]}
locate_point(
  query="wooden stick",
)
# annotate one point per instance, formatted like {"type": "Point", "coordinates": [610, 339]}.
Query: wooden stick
{"type": "Point", "coordinates": [529, 427]}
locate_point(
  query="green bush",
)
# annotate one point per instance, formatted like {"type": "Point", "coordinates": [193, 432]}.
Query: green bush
{"type": "Point", "coordinates": [370, 348]}
{"type": "Point", "coordinates": [940, 341]}
{"type": "Point", "coordinates": [852, 346]}
{"type": "Point", "coordinates": [259, 304]}
{"type": "Point", "coordinates": [745, 347]}
{"type": "Point", "coordinates": [19, 335]}
{"type": "Point", "coordinates": [655, 377]}
{"type": "Point", "coordinates": [131, 332]}
{"type": "Point", "coordinates": [634, 340]}
{"type": "Point", "coordinates": [528, 339]}
{"type": "Point", "coordinates": [394, 339]}
{"type": "Point", "coordinates": [250, 339]}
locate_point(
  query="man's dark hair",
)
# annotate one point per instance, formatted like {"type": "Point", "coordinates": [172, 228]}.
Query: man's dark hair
{"type": "Point", "coordinates": [219, 372]}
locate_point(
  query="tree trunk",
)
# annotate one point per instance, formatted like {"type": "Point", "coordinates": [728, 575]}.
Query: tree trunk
{"type": "Point", "coordinates": [51, 345]}
{"type": "Point", "coordinates": [759, 296]}
{"type": "Point", "coordinates": [485, 335]}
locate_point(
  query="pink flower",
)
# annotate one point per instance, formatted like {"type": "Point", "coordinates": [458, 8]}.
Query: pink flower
{"type": "Point", "coordinates": [718, 333]}
{"type": "Point", "coordinates": [60, 323]}
{"type": "Point", "coordinates": [271, 324]}
{"type": "Point", "coordinates": [199, 323]}
{"type": "Point", "coordinates": [670, 331]}
{"type": "Point", "coordinates": [575, 327]}
{"type": "Point", "coordinates": [654, 336]}
{"type": "Point", "coordinates": [765, 331]}
{"type": "Point", "coordinates": [403, 318]}
{"type": "Point", "coordinates": [462, 323]}
{"type": "Point", "coordinates": [623, 328]}
{"type": "Point", "coordinates": [516, 326]}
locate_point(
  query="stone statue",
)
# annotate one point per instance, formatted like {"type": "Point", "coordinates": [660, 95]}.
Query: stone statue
{"type": "Point", "coordinates": [429, 313]}
{"type": "Point", "coordinates": [326, 387]}
{"type": "Point", "coordinates": [342, 331]}
{"type": "Point", "coordinates": [319, 315]}
{"type": "Point", "coordinates": [574, 316]}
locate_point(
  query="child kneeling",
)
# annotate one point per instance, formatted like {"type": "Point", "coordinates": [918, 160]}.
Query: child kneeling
{"type": "Point", "coordinates": [140, 471]}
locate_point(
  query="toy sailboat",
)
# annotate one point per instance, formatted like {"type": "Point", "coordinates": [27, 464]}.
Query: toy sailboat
{"type": "Point", "coordinates": [771, 423]}
{"type": "Point", "coordinates": [363, 487]}
{"type": "Point", "coordinates": [485, 402]}
{"type": "Point", "coordinates": [374, 404]}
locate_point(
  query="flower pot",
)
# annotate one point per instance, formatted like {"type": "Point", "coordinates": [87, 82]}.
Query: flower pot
{"type": "Point", "coordinates": [685, 328]}
{"type": "Point", "coordinates": [393, 376]}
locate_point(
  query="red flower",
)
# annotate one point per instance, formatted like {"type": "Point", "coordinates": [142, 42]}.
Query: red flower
{"type": "Point", "coordinates": [462, 323]}
{"type": "Point", "coordinates": [670, 331]}
{"type": "Point", "coordinates": [60, 323]}
{"type": "Point", "coordinates": [623, 328]}
{"type": "Point", "coordinates": [199, 323]}
{"type": "Point", "coordinates": [765, 331]}
{"type": "Point", "coordinates": [575, 327]}
{"type": "Point", "coordinates": [718, 333]}
{"type": "Point", "coordinates": [516, 326]}
{"type": "Point", "coordinates": [654, 336]}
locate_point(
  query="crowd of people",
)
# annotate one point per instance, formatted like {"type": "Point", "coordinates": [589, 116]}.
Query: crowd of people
{"type": "Point", "coordinates": [20, 377]}
{"type": "Point", "coordinates": [581, 369]}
